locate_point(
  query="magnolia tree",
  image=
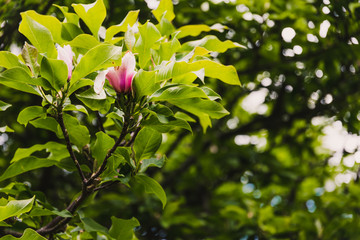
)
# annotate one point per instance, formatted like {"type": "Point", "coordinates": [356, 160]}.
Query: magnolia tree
{"type": "Point", "coordinates": [109, 95]}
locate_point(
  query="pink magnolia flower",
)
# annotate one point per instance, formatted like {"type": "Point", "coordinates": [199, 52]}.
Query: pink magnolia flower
{"type": "Point", "coordinates": [121, 77]}
{"type": "Point", "coordinates": [65, 53]}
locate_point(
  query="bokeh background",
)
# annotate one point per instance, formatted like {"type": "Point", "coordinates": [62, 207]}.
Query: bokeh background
{"type": "Point", "coordinates": [283, 165]}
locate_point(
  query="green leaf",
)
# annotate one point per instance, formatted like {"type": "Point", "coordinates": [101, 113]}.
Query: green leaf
{"type": "Point", "coordinates": [165, 7]}
{"type": "Point", "coordinates": [79, 84]}
{"type": "Point", "coordinates": [211, 43]}
{"type": "Point", "coordinates": [145, 83]}
{"type": "Point", "coordinates": [55, 71]}
{"type": "Point", "coordinates": [30, 55]}
{"type": "Point", "coordinates": [167, 125]}
{"type": "Point", "coordinates": [69, 17]}
{"type": "Point", "coordinates": [102, 145]}
{"type": "Point", "coordinates": [94, 101]}
{"type": "Point", "coordinates": [168, 93]}
{"type": "Point", "coordinates": [25, 165]}
{"type": "Point", "coordinates": [38, 35]}
{"type": "Point", "coordinates": [30, 113]}
{"type": "Point", "coordinates": [4, 106]}
{"type": "Point", "coordinates": [130, 19]}
{"type": "Point", "coordinates": [77, 108]}
{"type": "Point", "coordinates": [149, 35]}
{"type": "Point", "coordinates": [16, 208]}
{"type": "Point", "coordinates": [184, 116]}
{"type": "Point", "coordinates": [84, 41]}
{"type": "Point", "coordinates": [146, 143]}
{"type": "Point", "coordinates": [69, 31]}
{"type": "Point", "coordinates": [92, 14]}
{"type": "Point", "coordinates": [213, 69]}
{"type": "Point", "coordinates": [123, 229]}
{"type": "Point", "coordinates": [29, 234]}
{"type": "Point", "coordinates": [9, 60]}
{"type": "Point", "coordinates": [198, 105]}
{"type": "Point", "coordinates": [18, 79]}
{"type": "Point", "coordinates": [165, 26]}
{"type": "Point", "coordinates": [49, 124]}
{"type": "Point", "coordinates": [95, 59]}
{"type": "Point", "coordinates": [78, 134]}
{"type": "Point", "coordinates": [50, 22]}
{"type": "Point", "coordinates": [57, 151]}
{"type": "Point", "coordinates": [212, 95]}
{"type": "Point", "coordinates": [91, 226]}
{"type": "Point", "coordinates": [168, 49]}
{"type": "Point", "coordinates": [152, 162]}
{"type": "Point", "coordinates": [192, 30]}
{"type": "Point", "coordinates": [151, 186]}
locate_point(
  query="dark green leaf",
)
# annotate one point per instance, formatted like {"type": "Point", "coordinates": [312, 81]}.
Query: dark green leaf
{"type": "Point", "coordinates": [151, 186]}
{"type": "Point", "coordinates": [152, 162]}
{"type": "Point", "coordinates": [96, 102]}
{"type": "Point", "coordinates": [101, 147]}
{"type": "Point", "coordinates": [25, 165]}
{"type": "Point", "coordinates": [79, 134]}
{"type": "Point", "coordinates": [55, 71]}
{"type": "Point", "coordinates": [146, 143]}
{"type": "Point", "coordinates": [123, 229]}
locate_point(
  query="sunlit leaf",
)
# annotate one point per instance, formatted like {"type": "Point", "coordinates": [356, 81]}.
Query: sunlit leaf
{"type": "Point", "coordinates": [92, 14]}
{"type": "Point", "coordinates": [16, 208]}
{"type": "Point", "coordinates": [129, 20]}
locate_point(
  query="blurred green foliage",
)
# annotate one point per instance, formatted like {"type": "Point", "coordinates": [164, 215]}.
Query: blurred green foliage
{"type": "Point", "coordinates": [260, 173]}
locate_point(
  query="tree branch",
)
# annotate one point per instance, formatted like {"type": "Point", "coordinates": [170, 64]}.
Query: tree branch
{"type": "Point", "coordinates": [68, 145]}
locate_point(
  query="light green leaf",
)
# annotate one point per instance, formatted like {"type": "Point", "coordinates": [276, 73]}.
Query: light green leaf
{"type": "Point", "coordinates": [123, 229]}
{"type": "Point", "coordinates": [152, 162]}
{"type": "Point", "coordinates": [165, 26]}
{"type": "Point", "coordinates": [16, 208]}
{"type": "Point", "coordinates": [95, 59]}
{"type": "Point", "coordinates": [50, 22]}
{"type": "Point", "coordinates": [101, 147]}
{"type": "Point", "coordinates": [211, 43]}
{"type": "Point", "coordinates": [213, 69]}
{"type": "Point", "coordinates": [25, 165]}
{"type": "Point", "coordinates": [79, 84]}
{"type": "Point", "coordinates": [92, 14]}
{"type": "Point", "coordinates": [165, 7]}
{"type": "Point", "coordinates": [57, 151]}
{"type": "Point", "coordinates": [212, 95]}
{"type": "Point", "coordinates": [145, 83]}
{"type": "Point", "coordinates": [151, 186]}
{"type": "Point", "coordinates": [149, 35]}
{"type": "Point", "coordinates": [94, 101]}
{"type": "Point", "coordinates": [192, 30]}
{"type": "Point", "coordinates": [168, 49]}
{"type": "Point", "coordinates": [29, 234]}
{"type": "Point", "coordinates": [198, 106]}
{"type": "Point", "coordinates": [18, 79]}
{"type": "Point", "coordinates": [38, 35]}
{"type": "Point", "coordinates": [4, 106]}
{"type": "Point", "coordinates": [177, 92]}
{"type": "Point", "coordinates": [130, 20]}
{"type": "Point", "coordinates": [84, 41]}
{"type": "Point", "coordinates": [55, 71]}
{"type": "Point", "coordinates": [184, 116]}
{"type": "Point", "coordinates": [9, 60]}
{"type": "Point", "coordinates": [69, 17]}
{"type": "Point", "coordinates": [78, 134]}
{"type": "Point", "coordinates": [30, 55]}
{"type": "Point", "coordinates": [146, 143]}
{"type": "Point", "coordinates": [49, 124]}
{"type": "Point", "coordinates": [30, 113]}
{"type": "Point", "coordinates": [78, 108]}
